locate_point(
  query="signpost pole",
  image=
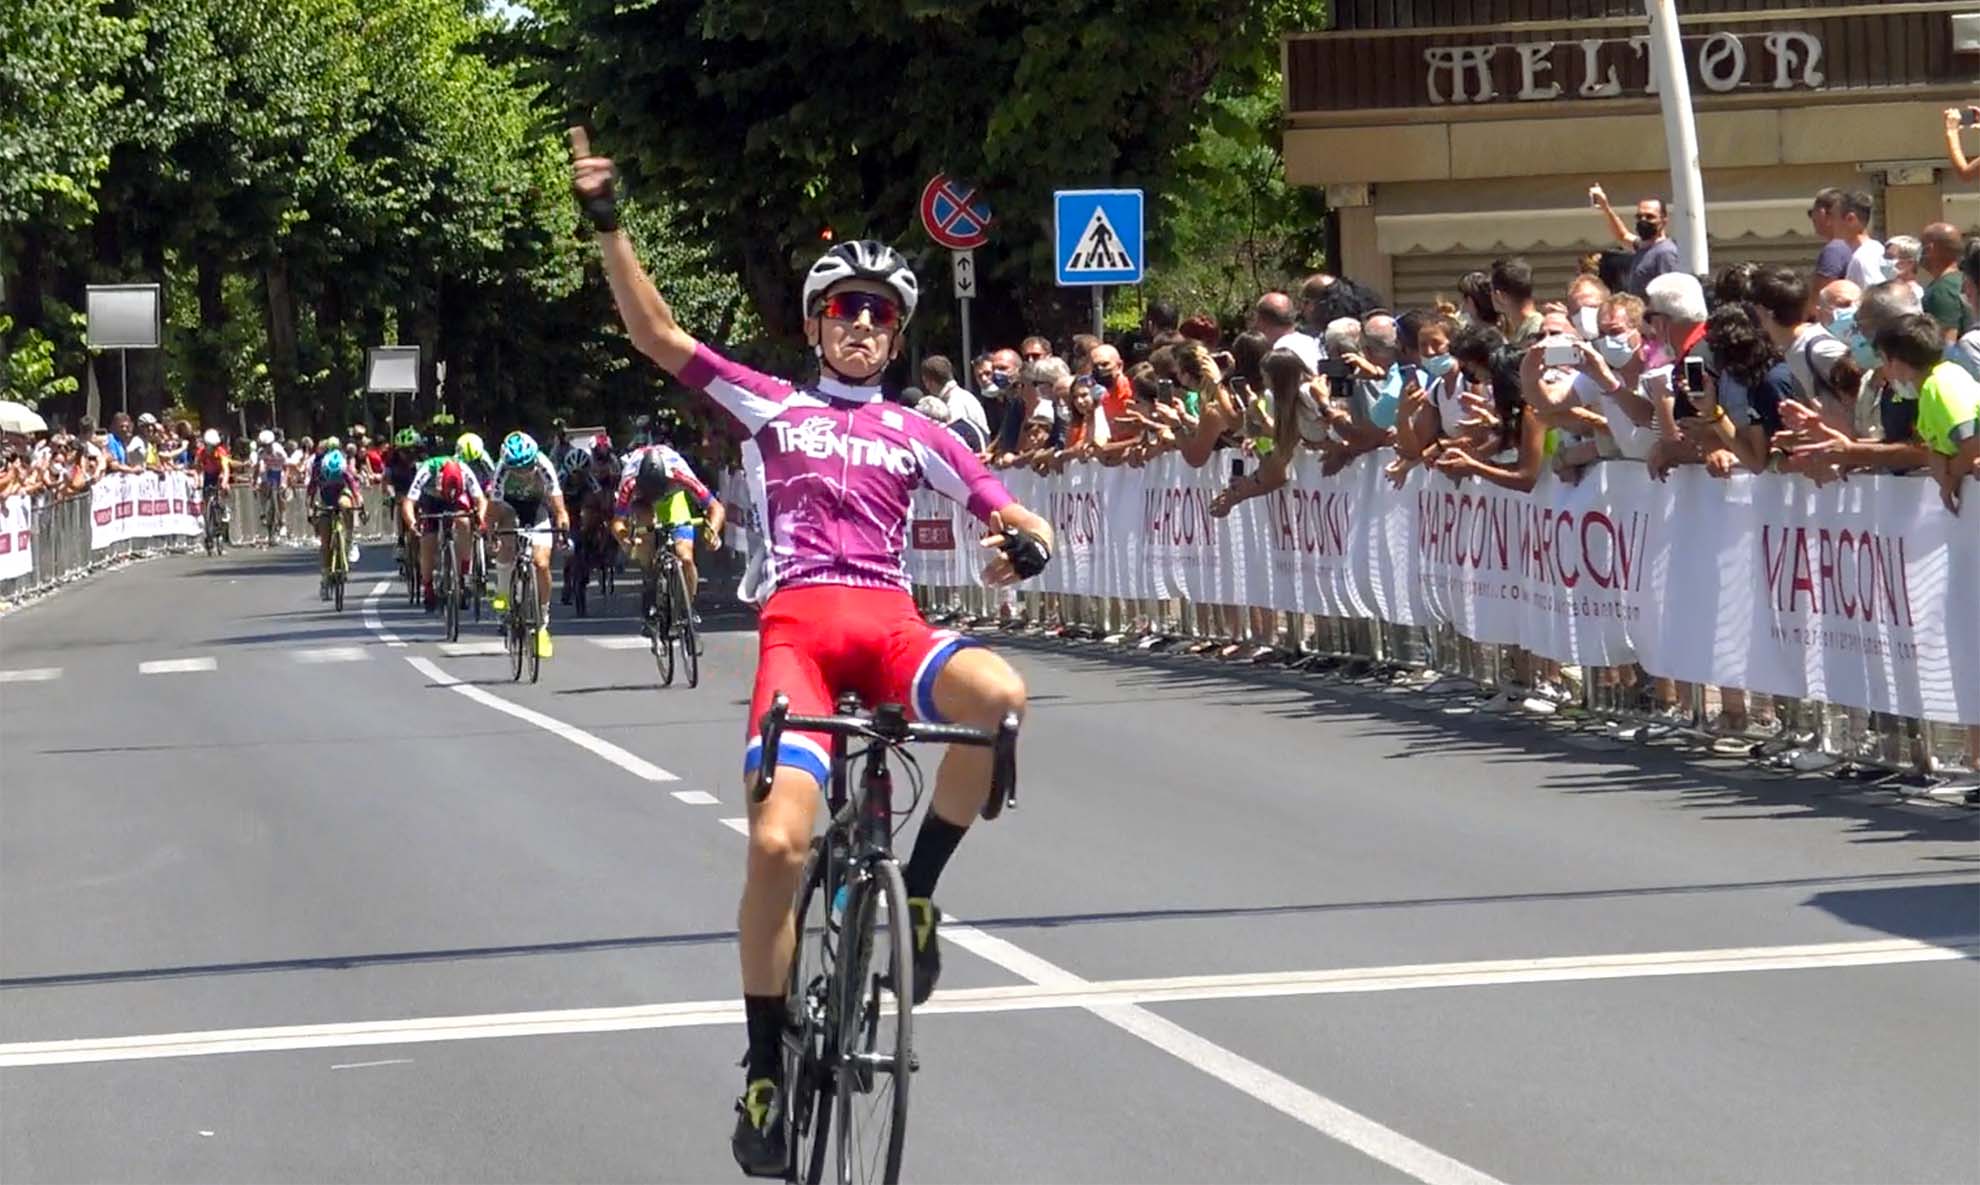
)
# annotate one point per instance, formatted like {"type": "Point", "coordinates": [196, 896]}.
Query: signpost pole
{"type": "Point", "coordinates": [1099, 311]}
{"type": "Point", "coordinates": [1680, 134]}
{"type": "Point", "coordinates": [963, 363]}
{"type": "Point", "coordinates": [124, 377]}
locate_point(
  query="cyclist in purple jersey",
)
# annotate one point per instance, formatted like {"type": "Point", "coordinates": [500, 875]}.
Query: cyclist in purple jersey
{"type": "Point", "coordinates": [838, 467]}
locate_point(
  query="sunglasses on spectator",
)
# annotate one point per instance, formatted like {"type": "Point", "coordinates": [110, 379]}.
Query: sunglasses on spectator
{"type": "Point", "coordinates": [847, 306]}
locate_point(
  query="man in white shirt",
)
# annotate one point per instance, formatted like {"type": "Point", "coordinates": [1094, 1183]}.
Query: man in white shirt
{"type": "Point", "coordinates": [938, 378]}
{"type": "Point", "coordinates": [1867, 267]}
{"type": "Point", "coordinates": [1275, 317]}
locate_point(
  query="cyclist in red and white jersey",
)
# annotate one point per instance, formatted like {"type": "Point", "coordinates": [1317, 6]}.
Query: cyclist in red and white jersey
{"type": "Point", "coordinates": [839, 464]}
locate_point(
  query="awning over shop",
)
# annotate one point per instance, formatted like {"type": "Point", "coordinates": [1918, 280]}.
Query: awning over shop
{"type": "Point", "coordinates": [1485, 231]}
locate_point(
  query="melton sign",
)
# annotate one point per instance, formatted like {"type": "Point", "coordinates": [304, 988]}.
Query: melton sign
{"type": "Point", "coordinates": [1593, 68]}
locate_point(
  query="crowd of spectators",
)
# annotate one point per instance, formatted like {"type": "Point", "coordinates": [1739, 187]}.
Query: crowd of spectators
{"type": "Point", "coordinates": [1865, 359]}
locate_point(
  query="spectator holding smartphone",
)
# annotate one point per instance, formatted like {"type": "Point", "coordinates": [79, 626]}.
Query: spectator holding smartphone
{"type": "Point", "coordinates": [1957, 120]}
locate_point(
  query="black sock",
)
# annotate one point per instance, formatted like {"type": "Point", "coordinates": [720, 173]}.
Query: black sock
{"type": "Point", "coordinates": [932, 849]}
{"type": "Point", "coordinates": [765, 1017]}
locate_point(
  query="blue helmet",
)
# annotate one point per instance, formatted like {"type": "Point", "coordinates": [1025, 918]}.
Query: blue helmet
{"type": "Point", "coordinates": [333, 465]}
{"type": "Point", "coordinates": [519, 450]}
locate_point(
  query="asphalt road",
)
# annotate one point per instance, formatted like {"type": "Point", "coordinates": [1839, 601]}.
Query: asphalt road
{"type": "Point", "coordinates": [1240, 929]}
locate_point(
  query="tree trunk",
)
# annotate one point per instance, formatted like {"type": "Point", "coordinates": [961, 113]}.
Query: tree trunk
{"type": "Point", "coordinates": [278, 306]}
{"type": "Point", "coordinates": [207, 362]}
{"type": "Point", "coordinates": [335, 393]}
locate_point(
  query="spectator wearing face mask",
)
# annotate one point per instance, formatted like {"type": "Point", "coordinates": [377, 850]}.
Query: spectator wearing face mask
{"type": "Point", "coordinates": [1377, 372]}
{"type": "Point", "coordinates": [1503, 445]}
{"type": "Point", "coordinates": [1001, 399]}
{"type": "Point", "coordinates": [1824, 216]}
{"type": "Point", "coordinates": [1585, 294]}
{"type": "Point", "coordinates": [1512, 299]}
{"type": "Point", "coordinates": [1673, 330]}
{"type": "Point", "coordinates": [1652, 252]}
{"type": "Point", "coordinates": [938, 377]}
{"type": "Point", "coordinates": [1945, 436]}
{"type": "Point", "coordinates": [1302, 415]}
{"type": "Point", "coordinates": [1901, 258]}
{"type": "Point", "coordinates": [1882, 413]}
{"type": "Point", "coordinates": [1941, 292]}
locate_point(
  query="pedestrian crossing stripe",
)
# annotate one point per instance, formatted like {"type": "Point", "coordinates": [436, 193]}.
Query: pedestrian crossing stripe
{"type": "Point", "coordinates": [1099, 248]}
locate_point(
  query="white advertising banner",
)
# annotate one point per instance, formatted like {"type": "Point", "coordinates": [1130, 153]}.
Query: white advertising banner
{"type": "Point", "coordinates": [1847, 593]}
{"type": "Point", "coordinates": [16, 537]}
{"type": "Point", "coordinates": [142, 506]}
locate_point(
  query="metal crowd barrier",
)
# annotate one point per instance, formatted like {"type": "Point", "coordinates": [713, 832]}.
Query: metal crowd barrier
{"type": "Point", "coordinates": [59, 534]}
{"type": "Point", "coordinates": [1902, 754]}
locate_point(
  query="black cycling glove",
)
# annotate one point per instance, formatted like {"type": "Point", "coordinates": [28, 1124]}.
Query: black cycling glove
{"type": "Point", "coordinates": [602, 208]}
{"type": "Point", "coordinates": [1026, 551]}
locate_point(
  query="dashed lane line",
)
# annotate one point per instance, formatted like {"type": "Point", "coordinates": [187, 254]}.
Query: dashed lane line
{"type": "Point", "coordinates": [177, 666]}
{"type": "Point", "coordinates": [639, 767]}
{"type": "Point", "coordinates": [31, 675]}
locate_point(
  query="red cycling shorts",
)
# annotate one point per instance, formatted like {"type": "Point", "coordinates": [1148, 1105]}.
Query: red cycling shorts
{"type": "Point", "coordinates": [819, 640]}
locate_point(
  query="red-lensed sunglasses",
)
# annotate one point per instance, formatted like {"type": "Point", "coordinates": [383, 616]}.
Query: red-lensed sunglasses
{"type": "Point", "coordinates": [847, 306]}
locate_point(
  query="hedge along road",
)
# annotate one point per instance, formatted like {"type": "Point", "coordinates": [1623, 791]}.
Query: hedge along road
{"type": "Point", "coordinates": [281, 901]}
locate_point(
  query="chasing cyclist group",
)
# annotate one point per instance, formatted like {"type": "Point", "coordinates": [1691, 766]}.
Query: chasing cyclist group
{"type": "Point", "coordinates": [519, 493]}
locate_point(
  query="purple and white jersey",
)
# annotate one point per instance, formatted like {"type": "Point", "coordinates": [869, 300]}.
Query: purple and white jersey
{"type": "Point", "coordinates": [839, 466]}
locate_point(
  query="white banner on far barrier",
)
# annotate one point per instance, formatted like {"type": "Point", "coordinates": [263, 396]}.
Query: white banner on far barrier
{"type": "Point", "coordinates": [16, 536]}
{"type": "Point", "coordinates": [1857, 593]}
{"type": "Point", "coordinates": [142, 506]}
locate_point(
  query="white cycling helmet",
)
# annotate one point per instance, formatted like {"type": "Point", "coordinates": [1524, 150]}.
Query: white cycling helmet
{"type": "Point", "coordinates": [211, 436]}
{"type": "Point", "coordinates": [864, 259]}
{"type": "Point", "coordinates": [265, 439]}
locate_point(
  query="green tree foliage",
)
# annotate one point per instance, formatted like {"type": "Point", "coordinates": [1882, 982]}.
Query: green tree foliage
{"type": "Point", "coordinates": [767, 122]}
{"type": "Point", "coordinates": [307, 178]}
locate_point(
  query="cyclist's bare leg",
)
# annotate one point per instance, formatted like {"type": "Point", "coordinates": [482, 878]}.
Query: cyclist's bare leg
{"type": "Point", "coordinates": [684, 552]}
{"type": "Point", "coordinates": [429, 547]}
{"type": "Point", "coordinates": [779, 836]}
{"type": "Point", "coordinates": [976, 688]}
{"type": "Point", "coordinates": [540, 555]}
{"type": "Point", "coordinates": [323, 541]}
{"type": "Point", "coordinates": [463, 544]}
{"type": "Point", "coordinates": [502, 517]}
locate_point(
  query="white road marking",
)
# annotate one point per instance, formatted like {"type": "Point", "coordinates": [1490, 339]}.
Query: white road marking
{"type": "Point", "coordinates": [176, 666]}
{"type": "Point", "coordinates": [1061, 989]}
{"type": "Point", "coordinates": [637, 766]}
{"type": "Point", "coordinates": [31, 675]}
{"type": "Point", "coordinates": [371, 621]}
{"type": "Point", "coordinates": [332, 654]}
{"type": "Point", "coordinates": [613, 642]}
{"type": "Point", "coordinates": [472, 649]}
{"type": "Point", "coordinates": [739, 826]}
{"type": "Point", "coordinates": [696, 797]}
{"type": "Point", "coordinates": [390, 1061]}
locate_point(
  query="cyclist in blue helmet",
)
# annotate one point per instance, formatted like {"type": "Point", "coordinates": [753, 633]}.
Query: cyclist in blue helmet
{"type": "Point", "coordinates": [336, 492]}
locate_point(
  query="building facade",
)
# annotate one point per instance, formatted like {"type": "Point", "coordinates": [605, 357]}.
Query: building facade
{"type": "Point", "coordinates": [1448, 132]}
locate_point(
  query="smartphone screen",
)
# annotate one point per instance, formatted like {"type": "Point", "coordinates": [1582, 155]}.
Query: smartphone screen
{"type": "Point", "coordinates": [1237, 468]}
{"type": "Point", "coordinates": [1970, 117]}
{"type": "Point", "coordinates": [1694, 377]}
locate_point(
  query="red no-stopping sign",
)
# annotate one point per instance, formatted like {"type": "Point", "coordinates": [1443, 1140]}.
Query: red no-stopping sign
{"type": "Point", "coordinates": [954, 214]}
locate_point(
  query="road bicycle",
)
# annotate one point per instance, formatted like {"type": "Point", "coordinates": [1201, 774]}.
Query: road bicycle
{"type": "Point", "coordinates": [447, 571]}
{"type": "Point", "coordinates": [525, 613]}
{"type": "Point", "coordinates": [213, 513]}
{"type": "Point", "coordinates": [337, 574]}
{"type": "Point", "coordinates": [668, 614]}
{"type": "Point", "coordinates": [849, 1023]}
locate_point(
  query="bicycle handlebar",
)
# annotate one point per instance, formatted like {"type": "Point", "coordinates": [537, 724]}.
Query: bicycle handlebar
{"type": "Point", "coordinates": [889, 725]}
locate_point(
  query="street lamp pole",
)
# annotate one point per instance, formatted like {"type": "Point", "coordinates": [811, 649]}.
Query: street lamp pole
{"type": "Point", "coordinates": [1680, 135]}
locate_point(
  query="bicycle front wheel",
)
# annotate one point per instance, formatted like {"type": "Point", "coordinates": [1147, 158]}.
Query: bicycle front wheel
{"type": "Point", "coordinates": [532, 618]}
{"type": "Point", "coordinates": [684, 628]}
{"type": "Point", "coordinates": [663, 630]}
{"type": "Point", "coordinates": [807, 1074]}
{"type": "Point", "coordinates": [876, 1014]}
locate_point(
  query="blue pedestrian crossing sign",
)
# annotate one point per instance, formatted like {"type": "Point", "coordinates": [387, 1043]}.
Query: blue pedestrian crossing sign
{"type": "Point", "coordinates": [1098, 236]}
